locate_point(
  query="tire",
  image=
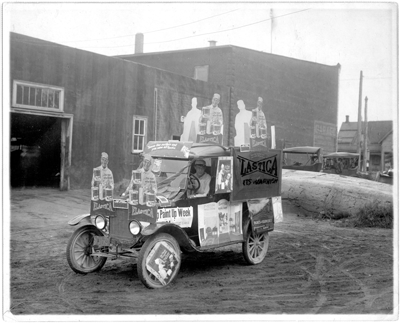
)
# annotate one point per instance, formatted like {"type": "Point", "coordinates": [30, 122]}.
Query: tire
{"type": "Point", "coordinates": [146, 277]}
{"type": "Point", "coordinates": [255, 247]}
{"type": "Point", "coordinates": [79, 250]}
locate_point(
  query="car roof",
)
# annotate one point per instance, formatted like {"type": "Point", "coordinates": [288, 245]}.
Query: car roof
{"type": "Point", "coordinates": [185, 150]}
{"type": "Point", "coordinates": [341, 154]}
{"type": "Point", "coordinates": [302, 150]}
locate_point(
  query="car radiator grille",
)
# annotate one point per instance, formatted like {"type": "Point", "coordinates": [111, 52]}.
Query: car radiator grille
{"type": "Point", "coordinates": [119, 228]}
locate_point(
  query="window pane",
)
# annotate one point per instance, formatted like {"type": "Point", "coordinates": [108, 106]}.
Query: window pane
{"type": "Point", "coordinates": [32, 96]}
{"type": "Point", "coordinates": [25, 96]}
{"type": "Point", "coordinates": [44, 98]}
{"type": "Point", "coordinates": [135, 143]}
{"type": "Point", "coordinates": [141, 127]}
{"type": "Point", "coordinates": [136, 127]}
{"type": "Point", "coordinates": [19, 94]}
{"type": "Point", "coordinates": [51, 99]}
{"type": "Point", "coordinates": [57, 100]}
{"type": "Point", "coordinates": [141, 140]}
{"type": "Point", "coordinates": [38, 97]}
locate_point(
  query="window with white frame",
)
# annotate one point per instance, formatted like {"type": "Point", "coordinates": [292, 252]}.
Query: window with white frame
{"type": "Point", "coordinates": [139, 133]}
{"type": "Point", "coordinates": [201, 73]}
{"type": "Point", "coordinates": [37, 96]}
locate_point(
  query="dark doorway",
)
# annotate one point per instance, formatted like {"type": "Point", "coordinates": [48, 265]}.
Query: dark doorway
{"type": "Point", "coordinates": [35, 150]}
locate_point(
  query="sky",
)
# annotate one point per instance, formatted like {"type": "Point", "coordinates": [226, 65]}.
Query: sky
{"type": "Point", "coordinates": [358, 36]}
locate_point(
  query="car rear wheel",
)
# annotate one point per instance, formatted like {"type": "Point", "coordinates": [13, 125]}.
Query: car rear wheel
{"type": "Point", "coordinates": [79, 251]}
{"type": "Point", "coordinates": [159, 261]}
{"type": "Point", "coordinates": [255, 247]}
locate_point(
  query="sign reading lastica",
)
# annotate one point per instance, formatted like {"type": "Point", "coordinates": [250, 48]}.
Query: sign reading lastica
{"type": "Point", "coordinates": [257, 174]}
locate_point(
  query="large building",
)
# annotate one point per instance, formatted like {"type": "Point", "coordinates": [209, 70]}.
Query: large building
{"type": "Point", "coordinates": [68, 105]}
{"type": "Point", "coordinates": [300, 97]}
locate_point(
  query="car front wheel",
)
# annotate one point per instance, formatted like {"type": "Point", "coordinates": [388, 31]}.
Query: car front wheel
{"type": "Point", "coordinates": [159, 261]}
{"type": "Point", "coordinates": [79, 251]}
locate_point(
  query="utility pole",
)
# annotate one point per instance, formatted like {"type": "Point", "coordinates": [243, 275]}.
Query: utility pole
{"type": "Point", "coordinates": [271, 15]}
{"type": "Point", "coordinates": [359, 123]}
{"type": "Point", "coordinates": [365, 137]}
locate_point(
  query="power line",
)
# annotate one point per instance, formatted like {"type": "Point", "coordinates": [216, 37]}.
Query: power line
{"type": "Point", "coordinates": [209, 33]}
{"type": "Point", "coordinates": [153, 31]}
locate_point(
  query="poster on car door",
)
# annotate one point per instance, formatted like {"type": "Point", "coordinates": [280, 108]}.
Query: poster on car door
{"type": "Point", "coordinates": [162, 262]}
{"type": "Point", "coordinates": [257, 174]}
{"type": "Point", "coordinates": [224, 181]}
{"type": "Point", "coordinates": [220, 223]}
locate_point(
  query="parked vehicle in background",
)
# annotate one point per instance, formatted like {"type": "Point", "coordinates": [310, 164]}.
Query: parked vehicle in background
{"type": "Point", "coordinates": [342, 163]}
{"type": "Point", "coordinates": [385, 176]}
{"type": "Point", "coordinates": [306, 158]}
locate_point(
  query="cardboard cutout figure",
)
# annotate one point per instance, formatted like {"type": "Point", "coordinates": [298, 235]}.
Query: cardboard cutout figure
{"type": "Point", "coordinates": [142, 188]}
{"type": "Point", "coordinates": [102, 180]}
{"type": "Point", "coordinates": [211, 122]}
{"type": "Point", "coordinates": [242, 125]}
{"type": "Point", "coordinates": [191, 123]}
{"type": "Point", "coordinates": [258, 127]}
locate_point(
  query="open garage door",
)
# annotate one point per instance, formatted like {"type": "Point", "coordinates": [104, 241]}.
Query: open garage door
{"type": "Point", "coordinates": [40, 150]}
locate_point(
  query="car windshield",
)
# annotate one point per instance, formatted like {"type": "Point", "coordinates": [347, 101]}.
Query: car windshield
{"type": "Point", "coordinates": [172, 178]}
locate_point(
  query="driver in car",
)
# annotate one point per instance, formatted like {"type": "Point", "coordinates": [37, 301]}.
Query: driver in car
{"type": "Point", "coordinates": [203, 177]}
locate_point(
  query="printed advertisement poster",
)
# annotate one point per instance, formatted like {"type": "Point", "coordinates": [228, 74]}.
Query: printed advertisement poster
{"type": "Point", "coordinates": [181, 216]}
{"type": "Point", "coordinates": [220, 222]}
{"type": "Point", "coordinates": [277, 206]}
{"type": "Point", "coordinates": [162, 262]}
{"type": "Point", "coordinates": [168, 149]}
{"type": "Point", "coordinates": [224, 181]}
{"type": "Point", "coordinates": [261, 213]}
{"type": "Point", "coordinates": [257, 174]}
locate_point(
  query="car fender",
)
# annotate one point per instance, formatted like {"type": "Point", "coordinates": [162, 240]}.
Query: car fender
{"type": "Point", "coordinates": [83, 218]}
{"type": "Point", "coordinates": [177, 232]}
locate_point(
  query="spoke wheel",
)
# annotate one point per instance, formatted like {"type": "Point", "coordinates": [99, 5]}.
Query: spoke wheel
{"type": "Point", "coordinates": [79, 250]}
{"type": "Point", "coordinates": [147, 277]}
{"type": "Point", "coordinates": [255, 247]}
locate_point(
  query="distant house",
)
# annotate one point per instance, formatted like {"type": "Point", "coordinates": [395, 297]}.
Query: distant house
{"type": "Point", "coordinates": [380, 142]}
{"type": "Point", "coordinates": [300, 97]}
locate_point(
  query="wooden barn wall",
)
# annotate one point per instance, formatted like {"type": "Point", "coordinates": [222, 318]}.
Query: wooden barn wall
{"type": "Point", "coordinates": [103, 94]}
{"type": "Point", "coordinates": [295, 93]}
{"type": "Point", "coordinates": [184, 62]}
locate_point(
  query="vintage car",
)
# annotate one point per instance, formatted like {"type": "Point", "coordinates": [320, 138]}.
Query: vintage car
{"type": "Point", "coordinates": [342, 163]}
{"type": "Point", "coordinates": [242, 205]}
{"type": "Point", "coordinates": [385, 176]}
{"type": "Point", "coordinates": [303, 158]}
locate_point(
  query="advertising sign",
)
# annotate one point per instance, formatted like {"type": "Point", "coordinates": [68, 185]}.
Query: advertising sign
{"type": "Point", "coordinates": [142, 213]}
{"type": "Point", "coordinates": [224, 181]}
{"type": "Point", "coordinates": [181, 216]}
{"type": "Point", "coordinates": [217, 139]}
{"type": "Point", "coordinates": [162, 262]}
{"type": "Point", "coordinates": [220, 222]}
{"type": "Point", "coordinates": [102, 207]}
{"type": "Point", "coordinates": [325, 135]}
{"type": "Point", "coordinates": [257, 174]}
{"type": "Point", "coordinates": [261, 214]}
{"type": "Point", "coordinates": [173, 149]}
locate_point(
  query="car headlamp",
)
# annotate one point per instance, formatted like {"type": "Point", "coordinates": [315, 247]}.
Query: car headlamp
{"type": "Point", "coordinates": [100, 222]}
{"type": "Point", "coordinates": [135, 227]}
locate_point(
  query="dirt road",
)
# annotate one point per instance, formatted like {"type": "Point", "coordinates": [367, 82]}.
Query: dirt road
{"type": "Point", "coordinates": [312, 268]}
